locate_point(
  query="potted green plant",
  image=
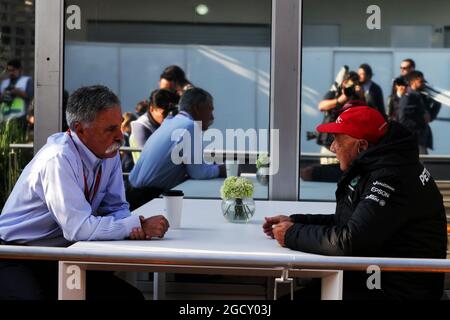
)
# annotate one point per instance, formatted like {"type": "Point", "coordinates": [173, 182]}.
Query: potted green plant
{"type": "Point", "coordinates": [238, 205]}
{"type": "Point", "coordinates": [262, 169]}
{"type": "Point", "coordinates": [11, 131]}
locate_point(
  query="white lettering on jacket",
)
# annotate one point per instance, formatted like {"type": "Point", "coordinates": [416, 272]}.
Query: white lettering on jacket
{"type": "Point", "coordinates": [380, 192]}
{"type": "Point", "coordinates": [381, 184]}
{"type": "Point", "coordinates": [425, 176]}
{"type": "Point", "coordinates": [373, 197]}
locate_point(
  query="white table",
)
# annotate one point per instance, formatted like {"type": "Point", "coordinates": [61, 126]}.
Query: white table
{"type": "Point", "coordinates": [206, 243]}
{"type": "Point", "coordinates": [309, 190]}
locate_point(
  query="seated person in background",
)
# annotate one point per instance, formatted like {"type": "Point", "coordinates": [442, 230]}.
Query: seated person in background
{"type": "Point", "coordinates": [398, 91]}
{"type": "Point", "coordinates": [174, 79]}
{"type": "Point", "coordinates": [162, 102]}
{"type": "Point", "coordinates": [387, 205]}
{"type": "Point", "coordinates": [156, 170]}
{"type": "Point", "coordinates": [71, 191]}
{"type": "Point", "coordinates": [141, 108]}
{"type": "Point", "coordinates": [125, 127]}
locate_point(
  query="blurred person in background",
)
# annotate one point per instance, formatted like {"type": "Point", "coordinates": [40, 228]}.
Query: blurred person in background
{"type": "Point", "coordinates": [406, 67]}
{"type": "Point", "coordinates": [418, 110]}
{"type": "Point", "coordinates": [162, 103]}
{"type": "Point", "coordinates": [30, 123]}
{"type": "Point", "coordinates": [141, 108]}
{"type": "Point", "coordinates": [398, 91]}
{"type": "Point", "coordinates": [173, 78]}
{"type": "Point", "coordinates": [373, 93]}
{"type": "Point", "coordinates": [16, 93]}
{"type": "Point", "coordinates": [125, 156]}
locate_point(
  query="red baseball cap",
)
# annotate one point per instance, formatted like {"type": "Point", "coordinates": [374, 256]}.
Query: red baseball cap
{"type": "Point", "coordinates": [358, 122]}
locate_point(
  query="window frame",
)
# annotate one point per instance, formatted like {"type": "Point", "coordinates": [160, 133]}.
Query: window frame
{"type": "Point", "coordinates": [285, 92]}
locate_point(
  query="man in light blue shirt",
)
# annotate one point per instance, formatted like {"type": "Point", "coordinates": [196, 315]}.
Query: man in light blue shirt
{"type": "Point", "coordinates": [73, 188]}
{"type": "Point", "coordinates": [157, 169]}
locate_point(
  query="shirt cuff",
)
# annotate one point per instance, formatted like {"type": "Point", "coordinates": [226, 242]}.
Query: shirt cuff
{"type": "Point", "coordinates": [121, 214]}
{"type": "Point", "coordinates": [129, 223]}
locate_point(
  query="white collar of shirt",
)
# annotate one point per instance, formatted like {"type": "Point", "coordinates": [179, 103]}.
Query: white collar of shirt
{"type": "Point", "coordinates": [90, 160]}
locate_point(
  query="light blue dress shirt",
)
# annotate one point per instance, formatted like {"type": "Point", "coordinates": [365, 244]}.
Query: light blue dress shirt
{"type": "Point", "coordinates": [155, 167]}
{"type": "Point", "coordinates": [48, 206]}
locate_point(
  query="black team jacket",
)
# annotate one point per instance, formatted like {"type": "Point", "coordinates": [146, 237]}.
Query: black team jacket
{"type": "Point", "coordinates": [387, 205]}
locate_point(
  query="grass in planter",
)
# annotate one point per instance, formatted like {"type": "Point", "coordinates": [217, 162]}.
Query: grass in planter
{"type": "Point", "coordinates": [11, 131]}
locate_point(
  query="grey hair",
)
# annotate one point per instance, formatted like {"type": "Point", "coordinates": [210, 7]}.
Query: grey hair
{"type": "Point", "coordinates": [85, 102]}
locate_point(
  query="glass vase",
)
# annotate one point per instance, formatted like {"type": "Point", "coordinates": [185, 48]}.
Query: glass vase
{"type": "Point", "coordinates": [238, 210]}
{"type": "Point", "coordinates": [262, 175]}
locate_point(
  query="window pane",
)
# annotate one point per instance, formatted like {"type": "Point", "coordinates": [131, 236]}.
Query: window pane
{"type": "Point", "coordinates": [381, 36]}
{"type": "Point", "coordinates": [226, 51]}
{"type": "Point", "coordinates": [16, 113]}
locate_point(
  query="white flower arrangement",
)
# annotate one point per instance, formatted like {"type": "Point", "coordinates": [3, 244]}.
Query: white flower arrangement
{"type": "Point", "coordinates": [237, 204]}
{"type": "Point", "coordinates": [263, 160]}
{"type": "Point", "coordinates": [236, 188]}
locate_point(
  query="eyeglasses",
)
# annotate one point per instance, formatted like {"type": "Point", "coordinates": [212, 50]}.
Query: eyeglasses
{"type": "Point", "coordinates": [405, 68]}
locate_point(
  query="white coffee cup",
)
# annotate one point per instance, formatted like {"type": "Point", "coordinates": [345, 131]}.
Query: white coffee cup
{"type": "Point", "coordinates": [174, 206]}
{"type": "Point", "coordinates": [232, 168]}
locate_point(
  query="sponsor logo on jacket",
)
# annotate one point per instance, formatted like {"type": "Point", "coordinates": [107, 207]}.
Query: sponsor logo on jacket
{"type": "Point", "coordinates": [384, 185]}
{"type": "Point", "coordinates": [380, 192]}
{"type": "Point", "coordinates": [425, 176]}
{"type": "Point", "coordinates": [379, 195]}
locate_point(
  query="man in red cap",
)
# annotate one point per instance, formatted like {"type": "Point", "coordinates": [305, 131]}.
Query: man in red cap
{"type": "Point", "coordinates": [354, 130]}
{"type": "Point", "coordinates": [387, 205]}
